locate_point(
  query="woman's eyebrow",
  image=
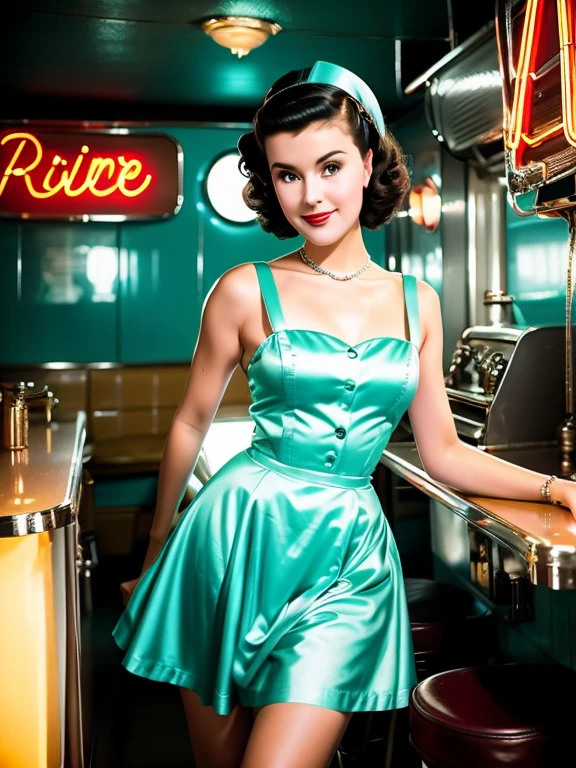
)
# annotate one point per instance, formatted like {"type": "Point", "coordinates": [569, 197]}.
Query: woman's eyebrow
{"type": "Point", "coordinates": [320, 160]}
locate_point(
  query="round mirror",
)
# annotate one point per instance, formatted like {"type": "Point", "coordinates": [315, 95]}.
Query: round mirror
{"type": "Point", "coordinates": [224, 185]}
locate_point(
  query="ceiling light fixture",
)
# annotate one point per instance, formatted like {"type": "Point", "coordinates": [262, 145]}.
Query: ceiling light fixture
{"type": "Point", "coordinates": [239, 33]}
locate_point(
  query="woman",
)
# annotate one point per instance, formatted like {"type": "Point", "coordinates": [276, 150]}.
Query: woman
{"type": "Point", "coordinates": [277, 604]}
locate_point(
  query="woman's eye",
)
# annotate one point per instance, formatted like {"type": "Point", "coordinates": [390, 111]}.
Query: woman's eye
{"type": "Point", "coordinates": [283, 175]}
{"type": "Point", "coordinates": [332, 168]}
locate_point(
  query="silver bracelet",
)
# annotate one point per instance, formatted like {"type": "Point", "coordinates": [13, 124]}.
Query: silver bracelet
{"type": "Point", "coordinates": [545, 491]}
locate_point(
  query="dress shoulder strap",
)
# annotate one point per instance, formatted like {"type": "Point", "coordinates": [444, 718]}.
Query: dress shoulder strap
{"type": "Point", "coordinates": [270, 295]}
{"type": "Point", "coordinates": [411, 300]}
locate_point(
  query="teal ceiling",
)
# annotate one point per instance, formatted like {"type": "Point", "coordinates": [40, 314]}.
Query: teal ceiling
{"type": "Point", "coordinates": [117, 59]}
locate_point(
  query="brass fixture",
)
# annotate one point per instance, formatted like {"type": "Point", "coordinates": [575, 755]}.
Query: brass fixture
{"type": "Point", "coordinates": [240, 33]}
{"type": "Point", "coordinates": [14, 397]}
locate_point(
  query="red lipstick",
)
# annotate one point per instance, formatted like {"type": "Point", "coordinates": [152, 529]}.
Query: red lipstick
{"type": "Point", "coordinates": [317, 219]}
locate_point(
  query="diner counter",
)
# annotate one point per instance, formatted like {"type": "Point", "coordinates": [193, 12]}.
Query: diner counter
{"type": "Point", "coordinates": [543, 535]}
{"type": "Point", "coordinates": [40, 486]}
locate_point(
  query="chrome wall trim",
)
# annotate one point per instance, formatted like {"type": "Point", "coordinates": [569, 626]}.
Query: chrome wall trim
{"type": "Point", "coordinates": [74, 488]}
{"type": "Point", "coordinates": [484, 33]}
{"type": "Point", "coordinates": [74, 725]}
{"type": "Point", "coordinates": [102, 366]}
{"type": "Point", "coordinates": [115, 126]}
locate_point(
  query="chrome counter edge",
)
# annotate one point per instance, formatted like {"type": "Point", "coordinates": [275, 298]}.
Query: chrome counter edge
{"type": "Point", "coordinates": [552, 566]}
{"type": "Point", "coordinates": [61, 515]}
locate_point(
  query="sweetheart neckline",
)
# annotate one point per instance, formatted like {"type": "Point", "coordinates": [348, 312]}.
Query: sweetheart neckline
{"type": "Point", "coordinates": [329, 336]}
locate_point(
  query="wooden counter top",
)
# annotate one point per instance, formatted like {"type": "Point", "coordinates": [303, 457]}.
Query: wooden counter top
{"type": "Point", "coordinates": [40, 486]}
{"type": "Point", "coordinates": [543, 534]}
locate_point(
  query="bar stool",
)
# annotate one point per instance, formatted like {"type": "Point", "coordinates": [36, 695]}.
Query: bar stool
{"type": "Point", "coordinates": [512, 715]}
{"type": "Point", "coordinates": [450, 629]}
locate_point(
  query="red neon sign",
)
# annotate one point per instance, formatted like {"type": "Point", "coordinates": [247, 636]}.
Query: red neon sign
{"type": "Point", "coordinates": [540, 93]}
{"type": "Point", "coordinates": [54, 175]}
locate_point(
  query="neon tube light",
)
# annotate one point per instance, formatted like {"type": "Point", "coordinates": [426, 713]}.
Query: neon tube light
{"type": "Point", "coordinates": [101, 175]}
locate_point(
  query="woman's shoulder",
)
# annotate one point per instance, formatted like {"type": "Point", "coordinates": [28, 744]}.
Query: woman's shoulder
{"type": "Point", "coordinates": [427, 295]}
{"type": "Point", "coordinates": [235, 283]}
{"type": "Point", "coordinates": [429, 308]}
{"type": "Point", "coordinates": [245, 274]}
{"type": "Point", "coordinates": [240, 282]}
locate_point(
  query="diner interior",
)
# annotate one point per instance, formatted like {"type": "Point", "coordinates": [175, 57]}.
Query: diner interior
{"type": "Point", "coordinates": [100, 314]}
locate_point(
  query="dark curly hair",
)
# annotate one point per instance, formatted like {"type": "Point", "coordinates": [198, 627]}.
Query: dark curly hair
{"type": "Point", "coordinates": [293, 110]}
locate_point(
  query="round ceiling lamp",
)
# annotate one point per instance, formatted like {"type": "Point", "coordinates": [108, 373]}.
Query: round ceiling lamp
{"type": "Point", "coordinates": [240, 33]}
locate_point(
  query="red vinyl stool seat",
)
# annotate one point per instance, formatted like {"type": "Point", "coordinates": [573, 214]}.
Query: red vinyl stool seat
{"type": "Point", "coordinates": [513, 715]}
{"type": "Point", "coordinates": [450, 629]}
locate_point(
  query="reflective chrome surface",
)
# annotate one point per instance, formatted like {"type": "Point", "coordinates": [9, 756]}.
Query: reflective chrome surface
{"type": "Point", "coordinates": [506, 385]}
{"type": "Point", "coordinates": [40, 485]}
{"type": "Point", "coordinates": [542, 536]}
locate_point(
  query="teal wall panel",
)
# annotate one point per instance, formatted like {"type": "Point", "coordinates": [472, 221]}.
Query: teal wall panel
{"type": "Point", "coordinates": [126, 491]}
{"type": "Point", "coordinates": [375, 244]}
{"type": "Point", "coordinates": [59, 294]}
{"type": "Point", "coordinates": [537, 257]}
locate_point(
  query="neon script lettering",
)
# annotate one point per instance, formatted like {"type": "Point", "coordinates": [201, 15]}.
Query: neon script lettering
{"type": "Point", "coordinates": [101, 175]}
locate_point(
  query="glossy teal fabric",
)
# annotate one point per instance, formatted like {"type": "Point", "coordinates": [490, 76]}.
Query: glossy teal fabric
{"type": "Point", "coordinates": [334, 74]}
{"type": "Point", "coordinates": [282, 581]}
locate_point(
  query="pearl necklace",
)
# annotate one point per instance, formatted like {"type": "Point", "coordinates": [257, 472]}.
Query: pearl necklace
{"type": "Point", "coordinates": [333, 275]}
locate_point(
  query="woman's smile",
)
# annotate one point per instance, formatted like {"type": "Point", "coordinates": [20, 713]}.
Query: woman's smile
{"type": "Point", "coordinates": [317, 219]}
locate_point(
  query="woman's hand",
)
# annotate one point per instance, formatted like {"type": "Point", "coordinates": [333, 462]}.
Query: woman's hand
{"type": "Point", "coordinates": [564, 491]}
{"type": "Point", "coordinates": [126, 589]}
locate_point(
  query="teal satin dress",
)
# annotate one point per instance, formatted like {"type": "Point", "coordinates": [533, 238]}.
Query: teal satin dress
{"type": "Point", "coordinates": [281, 581]}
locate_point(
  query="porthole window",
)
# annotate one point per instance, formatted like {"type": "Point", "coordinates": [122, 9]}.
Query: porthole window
{"type": "Point", "coordinates": [224, 186]}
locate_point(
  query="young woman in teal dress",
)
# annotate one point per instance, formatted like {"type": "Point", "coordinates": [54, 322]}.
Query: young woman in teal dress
{"type": "Point", "coordinates": [277, 604]}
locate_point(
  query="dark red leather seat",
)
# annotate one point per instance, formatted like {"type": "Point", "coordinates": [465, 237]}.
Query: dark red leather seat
{"type": "Point", "coordinates": [450, 629]}
{"type": "Point", "coordinates": [513, 715]}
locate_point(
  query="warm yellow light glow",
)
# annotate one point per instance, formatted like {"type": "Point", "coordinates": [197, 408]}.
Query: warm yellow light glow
{"type": "Point", "coordinates": [522, 75]}
{"type": "Point", "coordinates": [567, 62]}
{"type": "Point", "coordinates": [521, 107]}
{"type": "Point", "coordinates": [29, 701]}
{"type": "Point", "coordinates": [240, 34]}
{"type": "Point", "coordinates": [425, 205]}
{"type": "Point", "coordinates": [538, 138]}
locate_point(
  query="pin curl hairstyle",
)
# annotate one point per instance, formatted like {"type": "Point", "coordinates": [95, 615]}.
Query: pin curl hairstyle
{"type": "Point", "coordinates": [291, 111]}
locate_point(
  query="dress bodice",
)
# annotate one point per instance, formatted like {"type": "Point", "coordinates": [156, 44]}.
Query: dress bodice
{"type": "Point", "coordinates": [323, 405]}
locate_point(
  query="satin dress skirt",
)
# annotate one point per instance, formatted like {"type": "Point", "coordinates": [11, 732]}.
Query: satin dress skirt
{"type": "Point", "coordinates": [278, 584]}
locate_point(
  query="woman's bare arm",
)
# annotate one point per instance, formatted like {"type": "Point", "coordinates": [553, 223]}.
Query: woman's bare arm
{"type": "Point", "coordinates": [444, 456]}
{"type": "Point", "coordinates": [218, 351]}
